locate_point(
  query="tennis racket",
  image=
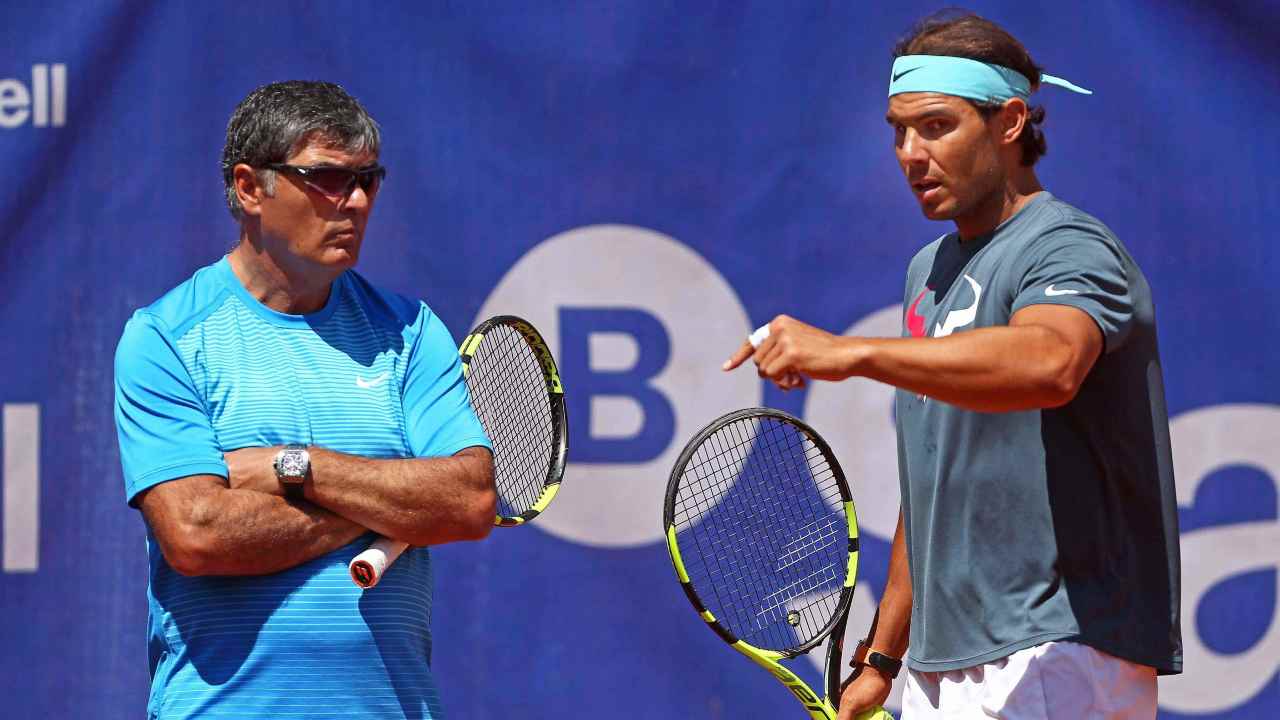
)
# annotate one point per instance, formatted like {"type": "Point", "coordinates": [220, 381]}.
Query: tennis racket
{"type": "Point", "coordinates": [516, 392]}
{"type": "Point", "coordinates": [764, 539]}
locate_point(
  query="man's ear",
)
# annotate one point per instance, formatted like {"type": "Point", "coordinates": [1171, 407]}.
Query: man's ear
{"type": "Point", "coordinates": [1013, 116]}
{"type": "Point", "coordinates": [248, 189]}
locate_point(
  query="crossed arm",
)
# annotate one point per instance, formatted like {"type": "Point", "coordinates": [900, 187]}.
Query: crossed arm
{"type": "Point", "coordinates": [242, 525]}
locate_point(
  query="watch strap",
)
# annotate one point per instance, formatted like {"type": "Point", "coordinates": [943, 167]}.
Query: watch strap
{"type": "Point", "coordinates": [864, 655]}
{"type": "Point", "coordinates": [293, 490]}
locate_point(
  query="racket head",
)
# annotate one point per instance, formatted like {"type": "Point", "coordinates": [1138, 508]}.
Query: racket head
{"type": "Point", "coordinates": [516, 391]}
{"type": "Point", "coordinates": [762, 532]}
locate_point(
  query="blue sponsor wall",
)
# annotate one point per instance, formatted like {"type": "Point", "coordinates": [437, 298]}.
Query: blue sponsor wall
{"type": "Point", "coordinates": [646, 181]}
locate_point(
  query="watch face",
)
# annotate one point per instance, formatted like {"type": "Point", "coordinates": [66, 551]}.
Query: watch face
{"type": "Point", "coordinates": [293, 464]}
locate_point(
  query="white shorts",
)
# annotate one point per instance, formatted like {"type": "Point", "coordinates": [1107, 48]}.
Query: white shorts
{"type": "Point", "coordinates": [1053, 681]}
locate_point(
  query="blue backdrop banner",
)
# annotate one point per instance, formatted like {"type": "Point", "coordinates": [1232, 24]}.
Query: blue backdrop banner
{"type": "Point", "coordinates": [646, 181]}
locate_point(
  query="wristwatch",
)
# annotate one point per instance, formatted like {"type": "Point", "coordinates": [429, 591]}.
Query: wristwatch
{"type": "Point", "coordinates": [292, 465]}
{"type": "Point", "coordinates": [864, 655]}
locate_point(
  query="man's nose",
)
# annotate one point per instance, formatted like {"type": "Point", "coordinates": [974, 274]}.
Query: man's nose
{"type": "Point", "coordinates": [356, 200]}
{"type": "Point", "coordinates": [912, 151]}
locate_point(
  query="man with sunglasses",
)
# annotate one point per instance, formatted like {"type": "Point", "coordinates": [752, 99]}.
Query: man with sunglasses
{"type": "Point", "coordinates": [275, 411]}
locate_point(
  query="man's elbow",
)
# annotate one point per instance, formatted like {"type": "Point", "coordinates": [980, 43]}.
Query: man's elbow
{"type": "Point", "coordinates": [481, 512]}
{"type": "Point", "coordinates": [190, 553]}
{"type": "Point", "coordinates": [471, 517]}
{"type": "Point", "coordinates": [474, 507]}
{"type": "Point", "coordinates": [482, 507]}
{"type": "Point", "coordinates": [1059, 383]}
{"type": "Point", "coordinates": [1059, 361]}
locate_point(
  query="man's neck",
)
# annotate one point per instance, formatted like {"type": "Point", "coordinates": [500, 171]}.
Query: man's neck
{"type": "Point", "coordinates": [1013, 195]}
{"type": "Point", "coordinates": [285, 287]}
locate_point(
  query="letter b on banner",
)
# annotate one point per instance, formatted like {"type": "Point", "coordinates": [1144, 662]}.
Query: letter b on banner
{"type": "Point", "coordinates": [639, 324]}
{"type": "Point", "coordinates": [597, 383]}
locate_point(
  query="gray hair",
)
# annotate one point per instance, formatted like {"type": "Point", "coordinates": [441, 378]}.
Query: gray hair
{"type": "Point", "coordinates": [277, 120]}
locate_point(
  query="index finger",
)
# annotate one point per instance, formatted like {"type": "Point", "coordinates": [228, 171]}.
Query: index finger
{"type": "Point", "coordinates": [740, 356]}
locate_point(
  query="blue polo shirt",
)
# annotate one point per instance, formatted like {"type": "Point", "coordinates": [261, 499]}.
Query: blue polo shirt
{"type": "Point", "coordinates": [207, 369]}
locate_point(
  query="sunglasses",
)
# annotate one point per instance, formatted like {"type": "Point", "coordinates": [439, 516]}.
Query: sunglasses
{"type": "Point", "coordinates": [334, 181]}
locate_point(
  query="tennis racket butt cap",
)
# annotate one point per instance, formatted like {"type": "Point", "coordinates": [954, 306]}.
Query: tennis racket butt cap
{"type": "Point", "coordinates": [363, 574]}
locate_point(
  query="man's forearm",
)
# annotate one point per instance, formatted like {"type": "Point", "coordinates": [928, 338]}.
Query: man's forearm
{"type": "Point", "coordinates": [204, 528]}
{"type": "Point", "coordinates": [422, 501]}
{"type": "Point", "coordinates": [890, 631]}
{"type": "Point", "coordinates": [1038, 360]}
{"type": "Point", "coordinates": [998, 369]}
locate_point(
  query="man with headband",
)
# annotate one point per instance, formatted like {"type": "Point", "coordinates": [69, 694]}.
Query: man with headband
{"type": "Point", "coordinates": [1035, 567]}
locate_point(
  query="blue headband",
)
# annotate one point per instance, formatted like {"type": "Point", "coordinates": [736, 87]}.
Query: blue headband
{"type": "Point", "coordinates": [965, 78]}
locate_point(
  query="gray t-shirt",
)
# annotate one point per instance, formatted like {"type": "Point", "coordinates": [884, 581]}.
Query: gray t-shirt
{"type": "Point", "coordinates": [1040, 525]}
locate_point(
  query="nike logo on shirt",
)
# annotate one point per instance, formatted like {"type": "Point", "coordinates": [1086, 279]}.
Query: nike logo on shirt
{"type": "Point", "coordinates": [1051, 292]}
{"type": "Point", "coordinates": [375, 382]}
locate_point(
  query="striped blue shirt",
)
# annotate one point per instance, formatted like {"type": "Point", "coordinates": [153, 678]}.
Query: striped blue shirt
{"type": "Point", "coordinates": [208, 369]}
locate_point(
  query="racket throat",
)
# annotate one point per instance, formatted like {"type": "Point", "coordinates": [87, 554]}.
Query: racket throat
{"type": "Point", "coordinates": [816, 706]}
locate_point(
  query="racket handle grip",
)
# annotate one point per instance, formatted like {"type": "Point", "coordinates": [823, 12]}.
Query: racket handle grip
{"type": "Point", "coordinates": [367, 567]}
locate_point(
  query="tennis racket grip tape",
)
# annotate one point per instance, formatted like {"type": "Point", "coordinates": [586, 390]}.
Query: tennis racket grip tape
{"type": "Point", "coordinates": [367, 567]}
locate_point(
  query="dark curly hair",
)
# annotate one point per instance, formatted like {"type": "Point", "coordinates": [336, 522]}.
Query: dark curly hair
{"type": "Point", "coordinates": [963, 34]}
